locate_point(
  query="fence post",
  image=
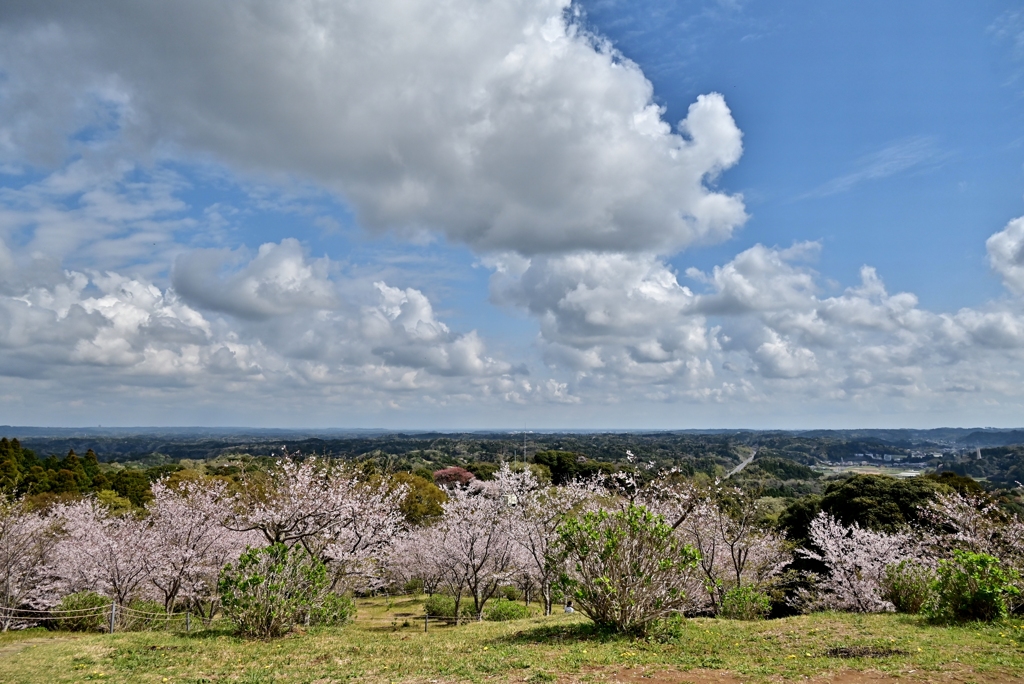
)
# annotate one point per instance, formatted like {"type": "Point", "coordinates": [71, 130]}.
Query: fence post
{"type": "Point", "coordinates": [425, 618]}
{"type": "Point", "coordinates": [188, 622]}
{"type": "Point", "coordinates": [113, 615]}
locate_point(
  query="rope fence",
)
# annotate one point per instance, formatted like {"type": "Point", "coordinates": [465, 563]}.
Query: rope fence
{"type": "Point", "coordinates": [51, 613]}
{"type": "Point", "coordinates": [113, 617]}
{"type": "Point", "coordinates": [418, 621]}
{"type": "Point", "coordinates": [110, 617]}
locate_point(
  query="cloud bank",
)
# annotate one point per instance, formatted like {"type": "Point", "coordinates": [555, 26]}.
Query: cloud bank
{"type": "Point", "coordinates": [500, 125]}
{"type": "Point", "coordinates": [503, 128]}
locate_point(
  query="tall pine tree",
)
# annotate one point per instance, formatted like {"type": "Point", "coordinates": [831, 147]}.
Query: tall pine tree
{"type": "Point", "coordinates": [10, 468]}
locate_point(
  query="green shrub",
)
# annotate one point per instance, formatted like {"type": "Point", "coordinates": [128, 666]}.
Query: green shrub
{"type": "Point", "coordinates": [96, 619]}
{"type": "Point", "coordinates": [440, 605]}
{"type": "Point", "coordinates": [626, 569]}
{"type": "Point", "coordinates": [907, 586]}
{"type": "Point", "coordinates": [332, 611]}
{"type": "Point", "coordinates": [503, 610]}
{"type": "Point", "coordinates": [443, 606]}
{"type": "Point", "coordinates": [141, 615]}
{"type": "Point", "coordinates": [510, 592]}
{"type": "Point", "coordinates": [271, 589]}
{"type": "Point", "coordinates": [745, 603]}
{"type": "Point", "coordinates": [969, 587]}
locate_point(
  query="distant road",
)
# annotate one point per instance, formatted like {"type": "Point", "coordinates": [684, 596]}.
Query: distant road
{"type": "Point", "coordinates": [743, 465]}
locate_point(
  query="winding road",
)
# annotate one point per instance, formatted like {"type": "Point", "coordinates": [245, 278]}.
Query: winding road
{"type": "Point", "coordinates": [743, 465]}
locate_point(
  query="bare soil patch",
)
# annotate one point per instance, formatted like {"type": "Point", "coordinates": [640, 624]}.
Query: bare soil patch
{"type": "Point", "coordinates": [863, 652]}
{"type": "Point", "coordinates": [19, 646]}
{"type": "Point", "coordinates": [704, 676]}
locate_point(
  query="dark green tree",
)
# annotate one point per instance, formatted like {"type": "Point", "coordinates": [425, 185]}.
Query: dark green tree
{"type": "Point", "coordinates": [132, 485]}
{"type": "Point", "coordinates": [10, 468]}
{"type": "Point", "coordinates": [26, 457]}
{"type": "Point", "coordinates": [796, 519]}
{"type": "Point", "coordinates": [73, 465]}
{"type": "Point", "coordinates": [36, 481]}
{"type": "Point", "coordinates": [91, 465]}
{"type": "Point", "coordinates": [567, 465]}
{"type": "Point", "coordinates": [64, 481]}
{"type": "Point", "coordinates": [964, 484]}
{"type": "Point", "coordinates": [878, 502]}
{"type": "Point", "coordinates": [423, 499]}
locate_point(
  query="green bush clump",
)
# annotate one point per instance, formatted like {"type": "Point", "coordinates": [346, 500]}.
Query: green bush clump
{"type": "Point", "coordinates": [142, 615]}
{"type": "Point", "coordinates": [745, 603]}
{"type": "Point", "coordinates": [503, 610]}
{"type": "Point", "coordinates": [333, 610]}
{"type": "Point", "coordinates": [971, 587]}
{"type": "Point", "coordinates": [271, 589]}
{"type": "Point", "coordinates": [626, 569]}
{"type": "Point", "coordinates": [443, 606]}
{"type": "Point", "coordinates": [908, 586]}
{"type": "Point", "coordinates": [91, 612]}
{"type": "Point", "coordinates": [511, 593]}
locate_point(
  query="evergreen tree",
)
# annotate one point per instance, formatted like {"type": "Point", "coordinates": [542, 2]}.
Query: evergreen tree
{"type": "Point", "coordinates": [133, 485]}
{"type": "Point", "coordinates": [91, 464]}
{"type": "Point", "coordinates": [73, 465]}
{"type": "Point", "coordinates": [10, 470]}
{"type": "Point", "coordinates": [64, 481]}
{"type": "Point", "coordinates": [26, 457]}
{"type": "Point", "coordinates": [36, 481]}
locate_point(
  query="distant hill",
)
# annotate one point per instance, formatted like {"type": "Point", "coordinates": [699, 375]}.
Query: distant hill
{"type": "Point", "coordinates": [994, 438]}
{"type": "Point", "coordinates": [964, 437]}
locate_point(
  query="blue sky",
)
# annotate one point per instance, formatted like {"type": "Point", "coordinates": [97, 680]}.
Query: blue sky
{"type": "Point", "coordinates": [520, 214]}
{"type": "Point", "coordinates": [881, 129]}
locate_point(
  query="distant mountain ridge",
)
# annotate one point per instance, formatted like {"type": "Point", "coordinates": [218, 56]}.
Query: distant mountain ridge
{"type": "Point", "coordinates": [966, 437]}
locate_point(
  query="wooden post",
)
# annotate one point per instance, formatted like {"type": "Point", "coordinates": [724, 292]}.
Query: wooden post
{"type": "Point", "coordinates": [425, 619]}
{"type": "Point", "coordinates": [188, 622]}
{"type": "Point", "coordinates": [113, 615]}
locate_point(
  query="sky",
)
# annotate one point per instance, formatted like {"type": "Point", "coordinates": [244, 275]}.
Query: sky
{"type": "Point", "coordinates": [519, 214]}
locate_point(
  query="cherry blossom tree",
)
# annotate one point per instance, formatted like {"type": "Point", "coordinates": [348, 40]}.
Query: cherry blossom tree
{"type": "Point", "coordinates": [414, 557]}
{"type": "Point", "coordinates": [856, 559]}
{"type": "Point", "coordinates": [191, 543]}
{"type": "Point", "coordinates": [100, 552]}
{"type": "Point", "coordinates": [472, 544]}
{"type": "Point", "coordinates": [974, 522]}
{"type": "Point", "coordinates": [535, 512]}
{"type": "Point", "coordinates": [735, 550]}
{"type": "Point", "coordinates": [721, 523]}
{"type": "Point", "coordinates": [333, 511]}
{"type": "Point", "coordinates": [358, 545]}
{"type": "Point", "coordinates": [26, 543]}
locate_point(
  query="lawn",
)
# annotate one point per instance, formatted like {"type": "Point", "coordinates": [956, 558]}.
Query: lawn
{"type": "Point", "coordinates": [378, 648]}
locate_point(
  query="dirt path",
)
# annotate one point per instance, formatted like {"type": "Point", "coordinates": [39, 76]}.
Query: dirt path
{"type": "Point", "coordinates": [655, 676]}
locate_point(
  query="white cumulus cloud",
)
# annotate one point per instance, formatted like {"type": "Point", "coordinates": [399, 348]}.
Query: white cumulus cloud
{"type": "Point", "coordinates": [1006, 255]}
{"type": "Point", "coordinates": [502, 125]}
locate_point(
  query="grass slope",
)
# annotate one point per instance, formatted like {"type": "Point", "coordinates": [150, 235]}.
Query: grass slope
{"type": "Point", "coordinates": [377, 648]}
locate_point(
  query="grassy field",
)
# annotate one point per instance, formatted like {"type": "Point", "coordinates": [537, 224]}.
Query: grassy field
{"type": "Point", "coordinates": [377, 648]}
